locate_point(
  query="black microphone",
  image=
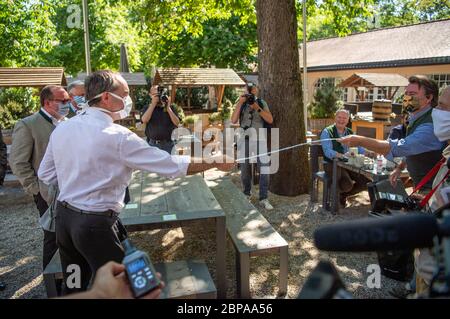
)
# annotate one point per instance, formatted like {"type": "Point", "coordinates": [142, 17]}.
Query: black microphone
{"type": "Point", "coordinates": [378, 234]}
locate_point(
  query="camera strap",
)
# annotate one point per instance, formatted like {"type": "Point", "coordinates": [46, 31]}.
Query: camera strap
{"type": "Point", "coordinates": [425, 180]}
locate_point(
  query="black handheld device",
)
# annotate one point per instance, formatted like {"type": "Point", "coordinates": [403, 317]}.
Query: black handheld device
{"type": "Point", "coordinates": [140, 271]}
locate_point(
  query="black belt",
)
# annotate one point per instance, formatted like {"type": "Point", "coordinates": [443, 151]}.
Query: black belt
{"type": "Point", "coordinates": [108, 213]}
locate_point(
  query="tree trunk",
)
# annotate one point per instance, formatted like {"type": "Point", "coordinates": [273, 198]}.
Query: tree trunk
{"type": "Point", "coordinates": [280, 85]}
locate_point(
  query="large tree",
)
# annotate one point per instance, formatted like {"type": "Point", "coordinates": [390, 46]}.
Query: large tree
{"type": "Point", "coordinates": [280, 84]}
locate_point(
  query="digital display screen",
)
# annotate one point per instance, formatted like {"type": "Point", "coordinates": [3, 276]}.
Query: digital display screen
{"type": "Point", "coordinates": [136, 265]}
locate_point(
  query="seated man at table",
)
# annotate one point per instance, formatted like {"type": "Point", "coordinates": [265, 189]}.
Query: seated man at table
{"type": "Point", "coordinates": [349, 183]}
{"type": "Point", "coordinates": [420, 149]}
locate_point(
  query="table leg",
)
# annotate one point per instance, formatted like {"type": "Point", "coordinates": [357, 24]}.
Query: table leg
{"type": "Point", "coordinates": [334, 191]}
{"type": "Point", "coordinates": [221, 275]}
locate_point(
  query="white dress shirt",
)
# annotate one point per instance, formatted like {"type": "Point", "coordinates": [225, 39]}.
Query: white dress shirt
{"type": "Point", "coordinates": [91, 159]}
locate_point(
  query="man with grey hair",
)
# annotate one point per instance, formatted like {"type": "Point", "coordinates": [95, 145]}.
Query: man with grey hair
{"type": "Point", "coordinates": [92, 176]}
{"type": "Point", "coordinates": [76, 92]}
{"type": "Point", "coordinates": [349, 183]}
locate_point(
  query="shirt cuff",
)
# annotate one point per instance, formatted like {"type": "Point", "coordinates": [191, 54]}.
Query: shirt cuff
{"type": "Point", "coordinates": [393, 144]}
{"type": "Point", "coordinates": [183, 162]}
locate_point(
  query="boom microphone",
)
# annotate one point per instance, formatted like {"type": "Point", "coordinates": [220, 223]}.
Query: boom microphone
{"type": "Point", "coordinates": [380, 234]}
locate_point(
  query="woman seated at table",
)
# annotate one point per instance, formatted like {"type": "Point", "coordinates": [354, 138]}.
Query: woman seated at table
{"type": "Point", "coordinates": [349, 183]}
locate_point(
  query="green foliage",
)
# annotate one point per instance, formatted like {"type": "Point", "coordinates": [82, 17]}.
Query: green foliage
{"type": "Point", "coordinates": [326, 102]}
{"type": "Point", "coordinates": [215, 117]}
{"type": "Point", "coordinates": [180, 112]}
{"type": "Point", "coordinates": [223, 44]}
{"type": "Point", "coordinates": [191, 119]}
{"type": "Point", "coordinates": [194, 33]}
{"type": "Point", "coordinates": [227, 109]}
{"type": "Point", "coordinates": [109, 27]}
{"type": "Point", "coordinates": [15, 104]}
{"type": "Point", "coordinates": [26, 31]}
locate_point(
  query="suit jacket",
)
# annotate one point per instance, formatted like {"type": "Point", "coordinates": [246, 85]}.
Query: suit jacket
{"type": "Point", "coordinates": [29, 143]}
{"type": "Point", "coordinates": [3, 161]}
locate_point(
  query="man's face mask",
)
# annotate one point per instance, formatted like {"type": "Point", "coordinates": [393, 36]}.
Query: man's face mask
{"type": "Point", "coordinates": [79, 99]}
{"type": "Point", "coordinates": [124, 112]}
{"type": "Point", "coordinates": [63, 108]}
{"type": "Point", "coordinates": [411, 103]}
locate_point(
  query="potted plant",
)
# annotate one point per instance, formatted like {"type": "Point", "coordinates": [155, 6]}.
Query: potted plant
{"type": "Point", "coordinates": [189, 121]}
{"type": "Point", "coordinates": [322, 109]}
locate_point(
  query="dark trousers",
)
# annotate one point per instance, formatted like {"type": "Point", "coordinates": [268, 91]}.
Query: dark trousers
{"type": "Point", "coordinates": [165, 145]}
{"type": "Point", "coordinates": [89, 241]}
{"type": "Point", "coordinates": [50, 246]}
{"type": "Point", "coordinates": [349, 183]}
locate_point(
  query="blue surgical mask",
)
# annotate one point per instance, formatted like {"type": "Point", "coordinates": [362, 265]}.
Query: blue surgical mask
{"type": "Point", "coordinates": [79, 99]}
{"type": "Point", "coordinates": [63, 109]}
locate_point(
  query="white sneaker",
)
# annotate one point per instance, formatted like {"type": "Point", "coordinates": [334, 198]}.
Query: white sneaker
{"type": "Point", "coordinates": [265, 203]}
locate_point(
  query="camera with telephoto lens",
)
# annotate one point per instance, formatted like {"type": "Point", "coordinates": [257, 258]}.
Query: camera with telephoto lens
{"type": "Point", "coordinates": [163, 95]}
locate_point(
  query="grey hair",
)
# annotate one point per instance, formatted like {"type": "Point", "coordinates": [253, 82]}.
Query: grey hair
{"type": "Point", "coordinates": [342, 111]}
{"type": "Point", "coordinates": [99, 82]}
{"type": "Point", "coordinates": [74, 84]}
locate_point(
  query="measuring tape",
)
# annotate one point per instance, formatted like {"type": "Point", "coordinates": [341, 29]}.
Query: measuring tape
{"type": "Point", "coordinates": [287, 148]}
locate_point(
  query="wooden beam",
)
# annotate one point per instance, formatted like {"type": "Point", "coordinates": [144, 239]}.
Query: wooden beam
{"type": "Point", "coordinates": [173, 93]}
{"type": "Point", "coordinates": [220, 96]}
{"type": "Point", "coordinates": [189, 97]}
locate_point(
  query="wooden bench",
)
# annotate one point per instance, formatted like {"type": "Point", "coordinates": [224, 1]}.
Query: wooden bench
{"type": "Point", "coordinates": [183, 279]}
{"type": "Point", "coordinates": [251, 234]}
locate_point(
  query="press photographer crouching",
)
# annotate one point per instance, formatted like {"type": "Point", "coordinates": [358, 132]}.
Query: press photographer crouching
{"type": "Point", "coordinates": [160, 118]}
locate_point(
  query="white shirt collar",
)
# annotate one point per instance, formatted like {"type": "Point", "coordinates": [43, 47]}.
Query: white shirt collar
{"type": "Point", "coordinates": [48, 114]}
{"type": "Point", "coordinates": [98, 113]}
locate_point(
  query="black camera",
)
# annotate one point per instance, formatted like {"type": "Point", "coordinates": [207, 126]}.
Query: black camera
{"type": "Point", "coordinates": [163, 94]}
{"type": "Point", "coordinates": [251, 99]}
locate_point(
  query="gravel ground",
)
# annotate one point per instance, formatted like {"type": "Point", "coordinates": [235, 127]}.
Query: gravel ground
{"type": "Point", "coordinates": [295, 218]}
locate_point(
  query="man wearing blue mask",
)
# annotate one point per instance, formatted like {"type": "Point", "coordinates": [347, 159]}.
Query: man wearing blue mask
{"type": "Point", "coordinates": [29, 142]}
{"type": "Point", "coordinates": [76, 93]}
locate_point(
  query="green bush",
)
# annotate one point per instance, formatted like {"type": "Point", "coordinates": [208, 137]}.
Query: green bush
{"type": "Point", "coordinates": [326, 102]}
{"type": "Point", "coordinates": [215, 117]}
{"type": "Point", "coordinates": [227, 109]}
{"type": "Point", "coordinates": [15, 104]}
{"type": "Point", "coordinates": [191, 119]}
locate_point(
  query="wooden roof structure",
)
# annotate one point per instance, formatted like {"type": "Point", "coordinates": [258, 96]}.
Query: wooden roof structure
{"type": "Point", "coordinates": [371, 80]}
{"type": "Point", "coordinates": [197, 77]}
{"type": "Point", "coordinates": [32, 77]}
{"type": "Point", "coordinates": [133, 79]}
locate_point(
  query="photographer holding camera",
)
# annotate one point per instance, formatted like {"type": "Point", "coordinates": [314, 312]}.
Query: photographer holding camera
{"type": "Point", "coordinates": [253, 114]}
{"type": "Point", "coordinates": [160, 119]}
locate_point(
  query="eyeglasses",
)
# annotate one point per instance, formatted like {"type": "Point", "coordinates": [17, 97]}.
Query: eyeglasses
{"type": "Point", "coordinates": [63, 101]}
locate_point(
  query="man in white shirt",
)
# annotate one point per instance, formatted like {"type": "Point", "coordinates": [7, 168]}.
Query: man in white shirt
{"type": "Point", "coordinates": [92, 176]}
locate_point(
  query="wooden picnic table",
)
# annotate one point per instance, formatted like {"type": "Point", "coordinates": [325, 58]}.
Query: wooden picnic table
{"type": "Point", "coordinates": [158, 202]}
{"type": "Point", "coordinates": [370, 174]}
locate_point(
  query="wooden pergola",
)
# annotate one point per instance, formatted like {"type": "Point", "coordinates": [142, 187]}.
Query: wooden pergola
{"type": "Point", "coordinates": [32, 77]}
{"type": "Point", "coordinates": [371, 80]}
{"type": "Point", "coordinates": [197, 77]}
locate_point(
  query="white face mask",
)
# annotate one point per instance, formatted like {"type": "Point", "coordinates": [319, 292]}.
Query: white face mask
{"type": "Point", "coordinates": [123, 113]}
{"type": "Point", "coordinates": [441, 123]}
